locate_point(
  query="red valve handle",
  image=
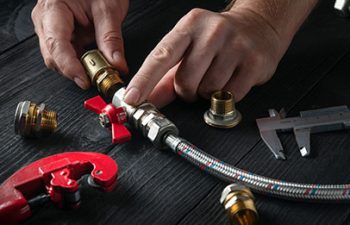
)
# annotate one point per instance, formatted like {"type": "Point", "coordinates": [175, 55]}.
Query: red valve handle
{"type": "Point", "coordinates": [116, 116]}
{"type": "Point", "coordinates": [57, 177]}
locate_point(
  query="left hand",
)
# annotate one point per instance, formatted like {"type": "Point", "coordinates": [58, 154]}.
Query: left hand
{"type": "Point", "coordinates": [206, 52]}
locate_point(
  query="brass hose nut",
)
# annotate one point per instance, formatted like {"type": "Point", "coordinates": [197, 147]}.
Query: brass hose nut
{"type": "Point", "coordinates": [222, 113]}
{"type": "Point", "coordinates": [101, 73]}
{"type": "Point", "coordinates": [32, 120]}
{"type": "Point", "coordinates": [238, 201]}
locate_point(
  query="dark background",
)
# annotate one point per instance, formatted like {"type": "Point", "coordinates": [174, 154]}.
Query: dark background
{"type": "Point", "coordinates": [157, 187]}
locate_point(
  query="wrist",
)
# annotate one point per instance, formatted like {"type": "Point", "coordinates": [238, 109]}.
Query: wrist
{"type": "Point", "coordinates": [276, 14]}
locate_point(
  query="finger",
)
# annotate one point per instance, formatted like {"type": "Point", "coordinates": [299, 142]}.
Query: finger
{"type": "Point", "coordinates": [38, 28]}
{"type": "Point", "coordinates": [57, 29]}
{"type": "Point", "coordinates": [166, 55]}
{"type": "Point", "coordinates": [164, 91]}
{"type": "Point", "coordinates": [192, 69]}
{"type": "Point", "coordinates": [218, 74]}
{"type": "Point", "coordinates": [109, 35]}
{"type": "Point", "coordinates": [240, 83]}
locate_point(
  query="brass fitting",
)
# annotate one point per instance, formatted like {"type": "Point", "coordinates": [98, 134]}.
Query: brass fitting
{"type": "Point", "coordinates": [101, 73]}
{"type": "Point", "coordinates": [222, 113]}
{"type": "Point", "coordinates": [32, 120]}
{"type": "Point", "coordinates": [238, 201]}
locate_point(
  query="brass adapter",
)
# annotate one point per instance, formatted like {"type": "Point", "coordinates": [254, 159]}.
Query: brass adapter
{"type": "Point", "coordinates": [222, 113]}
{"type": "Point", "coordinates": [101, 73]}
{"type": "Point", "coordinates": [238, 201]}
{"type": "Point", "coordinates": [32, 120]}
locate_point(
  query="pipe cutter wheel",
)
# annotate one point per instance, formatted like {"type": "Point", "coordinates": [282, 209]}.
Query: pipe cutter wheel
{"type": "Point", "coordinates": [54, 178]}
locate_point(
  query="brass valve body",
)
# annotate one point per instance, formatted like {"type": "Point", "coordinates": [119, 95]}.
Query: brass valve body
{"type": "Point", "coordinates": [101, 73]}
{"type": "Point", "coordinates": [238, 201]}
{"type": "Point", "coordinates": [222, 113]}
{"type": "Point", "coordinates": [32, 120]}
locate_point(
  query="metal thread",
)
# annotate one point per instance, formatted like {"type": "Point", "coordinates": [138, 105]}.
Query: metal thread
{"type": "Point", "coordinates": [110, 81]}
{"type": "Point", "coordinates": [101, 73]}
{"type": "Point", "coordinates": [48, 121]}
{"type": "Point", "coordinates": [222, 102]}
{"type": "Point", "coordinates": [32, 120]}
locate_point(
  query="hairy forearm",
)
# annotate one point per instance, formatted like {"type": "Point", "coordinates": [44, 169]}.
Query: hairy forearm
{"type": "Point", "coordinates": [284, 16]}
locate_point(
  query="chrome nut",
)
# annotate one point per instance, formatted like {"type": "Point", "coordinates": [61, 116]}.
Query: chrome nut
{"type": "Point", "coordinates": [158, 128]}
{"type": "Point", "coordinates": [229, 189]}
{"type": "Point", "coordinates": [104, 120]}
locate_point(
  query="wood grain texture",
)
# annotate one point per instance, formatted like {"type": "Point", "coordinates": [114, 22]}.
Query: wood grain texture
{"type": "Point", "coordinates": [15, 22]}
{"type": "Point", "coordinates": [156, 187]}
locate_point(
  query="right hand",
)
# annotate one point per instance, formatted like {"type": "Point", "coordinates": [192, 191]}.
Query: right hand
{"type": "Point", "coordinates": [64, 27]}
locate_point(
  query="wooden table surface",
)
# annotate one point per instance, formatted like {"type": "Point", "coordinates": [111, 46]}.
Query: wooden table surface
{"type": "Point", "coordinates": [158, 187]}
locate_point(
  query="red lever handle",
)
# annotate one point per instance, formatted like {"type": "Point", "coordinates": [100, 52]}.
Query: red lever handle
{"type": "Point", "coordinates": [116, 117]}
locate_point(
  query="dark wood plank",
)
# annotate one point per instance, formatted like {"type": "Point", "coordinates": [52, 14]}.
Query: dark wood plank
{"type": "Point", "coordinates": [157, 187]}
{"type": "Point", "coordinates": [15, 22]}
{"type": "Point", "coordinates": [330, 151]}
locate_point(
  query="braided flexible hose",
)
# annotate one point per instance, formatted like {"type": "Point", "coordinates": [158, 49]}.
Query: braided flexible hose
{"type": "Point", "coordinates": [259, 184]}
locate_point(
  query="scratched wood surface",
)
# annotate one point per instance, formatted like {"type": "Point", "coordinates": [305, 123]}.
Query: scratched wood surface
{"type": "Point", "coordinates": [157, 187]}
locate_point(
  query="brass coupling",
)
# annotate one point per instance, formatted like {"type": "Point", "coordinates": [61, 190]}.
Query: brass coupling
{"type": "Point", "coordinates": [32, 120]}
{"type": "Point", "coordinates": [238, 201]}
{"type": "Point", "coordinates": [101, 73]}
{"type": "Point", "coordinates": [222, 113]}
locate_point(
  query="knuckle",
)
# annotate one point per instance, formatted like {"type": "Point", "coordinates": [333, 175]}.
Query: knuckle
{"type": "Point", "coordinates": [49, 62]}
{"type": "Point", "coordinates": [257, 59]}
{"type": "Point", "coordinates": [196, 14]}
{"type": "Point", "coordinates": [182, 31]}
{"type": "Point", "coordinates": [111, 36]}
{"type": "Point", "coordinates": [52, 44]}
{"type": "Point", "coordinates": [49, 4]}
{"type": "Point", "coordinates": [33, 14]}
{"type": "Point", "coordinates": [162, 52]}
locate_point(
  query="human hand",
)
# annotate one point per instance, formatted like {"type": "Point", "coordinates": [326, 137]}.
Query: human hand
{"type": "Point", "coordinates": [208, 51]}
{"type": "Point", "coordinates": [64, 27]}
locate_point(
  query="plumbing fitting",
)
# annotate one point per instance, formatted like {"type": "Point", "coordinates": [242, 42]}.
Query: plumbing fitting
{"type": "Point", "coordinates": [146, 118]}
{"type": "Point", "coordinates": [32, 120]}
{"type": "Point", "coordinates": [110, 117]}
{"type": "Point", "coordinates": [238, 201]}
{"type": "Point", "coordinates": [222, 113]}
{"type": "Point", "coordinates": [162, 132]}
{"type": "Point", "coordinates": [102, 74]}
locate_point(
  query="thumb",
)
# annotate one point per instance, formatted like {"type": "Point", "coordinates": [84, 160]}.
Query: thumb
{"type": "Point", "coordinates": [109, 39]}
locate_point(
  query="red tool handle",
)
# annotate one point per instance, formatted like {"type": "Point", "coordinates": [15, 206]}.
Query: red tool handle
{"type": "Point", "coordinates": [56, 176]}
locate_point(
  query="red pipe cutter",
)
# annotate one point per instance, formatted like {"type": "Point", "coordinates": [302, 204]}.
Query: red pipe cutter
{"type": "Point", "coordinates": [54, 178]}
{"type": "Point", "coordinates": [110, 116]}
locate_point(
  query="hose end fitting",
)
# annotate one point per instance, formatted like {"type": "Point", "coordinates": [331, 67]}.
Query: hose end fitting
{"type": "Point", "coordinates": [101, 73]}
{"type": "Point", "coordinates": [222, 113]}
{"type": "Point", "coordinates": [32, 120]}
{"type": "Point", "coordinates": [146, 118]}
{"type": "Point", "coordinates": [238, 201]}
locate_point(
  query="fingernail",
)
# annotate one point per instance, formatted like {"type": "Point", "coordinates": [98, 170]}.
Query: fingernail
{"type": "Point", "coordinates": [132, 96]}
{"type": "Point", "coordinates": [80, 83]}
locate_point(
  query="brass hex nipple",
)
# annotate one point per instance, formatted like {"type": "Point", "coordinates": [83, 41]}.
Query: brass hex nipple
{"type": "Point", "coordinates": [222, 113]}
{"type": "Point", "coordinates": [101, 73]}
{"type": "Point", "coordinates": [32, 120]}
{"type": "Point", "coordinates": [238, 201]}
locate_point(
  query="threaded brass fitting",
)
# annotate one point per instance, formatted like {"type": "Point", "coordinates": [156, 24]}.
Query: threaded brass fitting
{"type": "Point", "coordinates": [32, 120]}
{"type": "Point", "coordinates": [222, 113]}
{"type": "Point", "coordinates": [101, 73]}
{"type": "Point", "coordinates": [238, 201]}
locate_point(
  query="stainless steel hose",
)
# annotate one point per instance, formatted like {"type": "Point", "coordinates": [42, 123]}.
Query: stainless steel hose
{"type": "Point", "coordinates": [260, 184]}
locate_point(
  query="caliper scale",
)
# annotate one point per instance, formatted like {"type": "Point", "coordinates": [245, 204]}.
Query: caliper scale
{"type": "Point", "coordinates": [312, 121]}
